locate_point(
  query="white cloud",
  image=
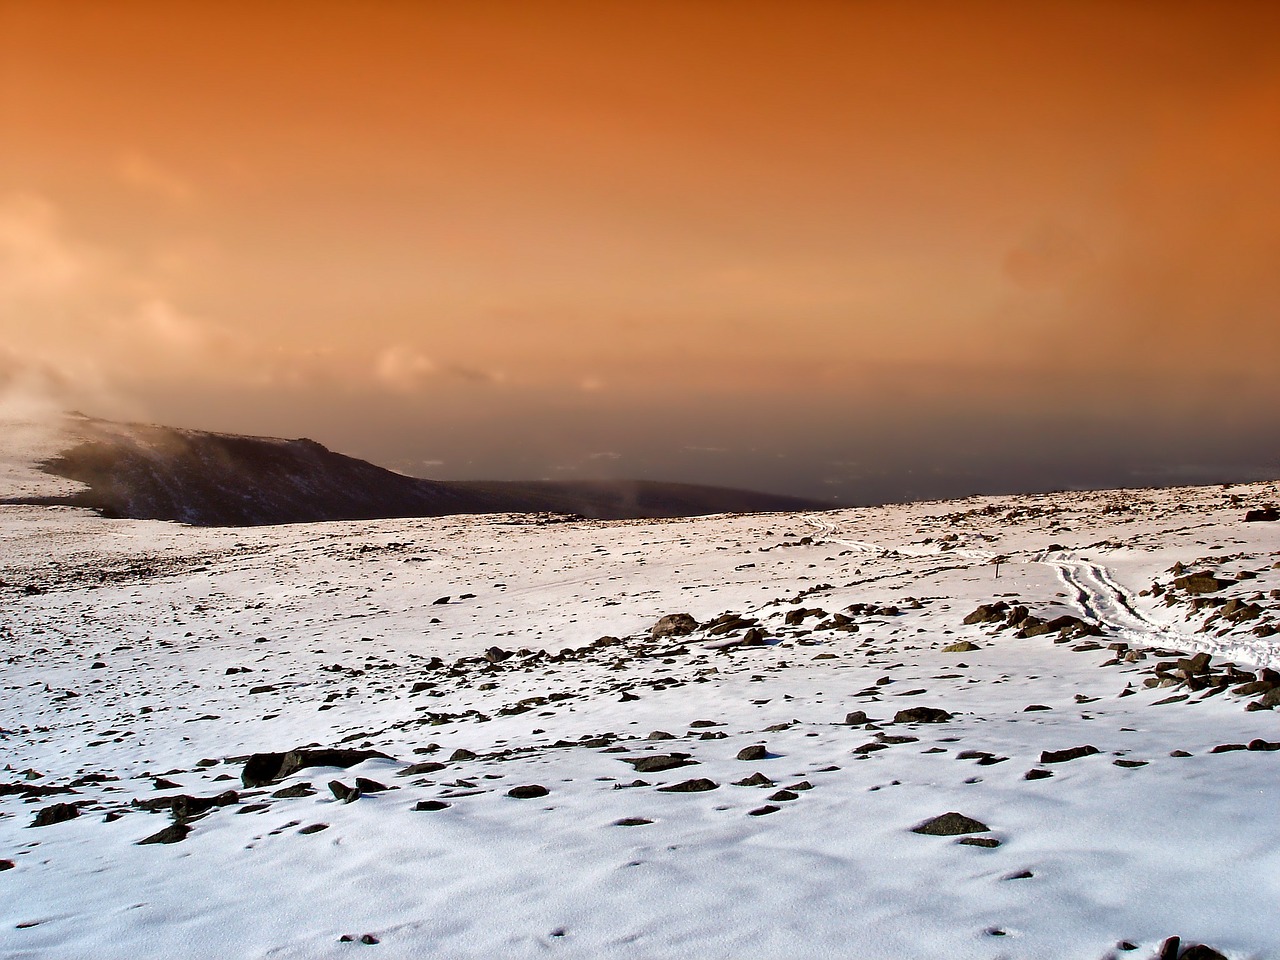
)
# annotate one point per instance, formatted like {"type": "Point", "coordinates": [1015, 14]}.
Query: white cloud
{"type": "Point", "coordinates": [403, 369]}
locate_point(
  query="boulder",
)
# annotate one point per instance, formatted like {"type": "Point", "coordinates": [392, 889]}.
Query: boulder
{"type": "Point", "coordinates": [262, 769]}
{"type": "Point", "coordinates": [674, 625]}
{"type": "Point", "coordinates": [950, 825]}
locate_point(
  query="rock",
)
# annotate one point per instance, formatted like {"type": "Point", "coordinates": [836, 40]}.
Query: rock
{"type": "Point", "coordinates": [1203, 582]}
{"type": "Point", "coordinates": [1072, 753]}
{"type": "Point", "coordinates": [764, 811]}
{"type": "Point", "coordinates": [6, 865]}
{"type": "Point", "coordinates": [950, 825]}
{"type": "Point", "coordinates": [1267, 745]}
{"type": "Point", "coordinates": [297, 790]}
{"type": "Point", "coordinates": [417, 769]}
{"type": "Point", "coordinates": [987, 613]}
{"type": "Point", "coordinates": [1264, 515]}
{"type": "Point", "coordinates": [964, 646]}
{"type": "Point", "coordinates": [632, 822]}
{"type": "Point", "coordinates": [530, 791]}
{"type": "Point", "coordinates": [461, 754]}
{"type": "Point", "coordinates": [343, 792]}
{"type": "Point", "coordinates": [313, 828]}
{"type": "Point", "coordinates": [754, 752]}
{"type": "Point", "coordinates": [856, 718]}
{"type": "Point", "coordinates": [1198, 951]}
{"type": "Point", "coordinates": [690, 786]}
{"type": "Point", "coordinates": [1169, 949]}
{"type": "Point", "coordinates": [782, 796]}
{"type": "Point", "coordinates": [1037, 775]}
{"type": "Point", "coordinates": [660, 735]}
{"type": "Point", "coordinates": [55, 813]}
{"type": "Point", "coordinates": [674, 625]}
{"type": "Point", "coordinates": [656, 763]}
{"type": "Point", "coordinates": [430, 806]}
{"type": "Point", "coordinates": [497, 654]}
{"type": "Point", "coordinates": [262, 769]}
{"type": "Point", "coordinates": [365, 785]}
{"type": "Point", "coordinates": [979, 841]}
{"type": "Point", "coordinates": [369, 939]}
{"type": "Point", "coordinates": [1268, 701]}
{"type": "Point", "coordinates": [755, 780]}
{"type": "Point", "coordinates": [174, 833]}
{"type": "Point", "coordinates": [921, 715]}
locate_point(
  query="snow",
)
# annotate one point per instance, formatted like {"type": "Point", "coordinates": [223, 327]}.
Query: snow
{"type": "Point", "coordinates": [340, 622]}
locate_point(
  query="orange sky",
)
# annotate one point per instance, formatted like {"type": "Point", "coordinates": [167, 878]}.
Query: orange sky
{"type": "Point", "coordinates": [549, 239]}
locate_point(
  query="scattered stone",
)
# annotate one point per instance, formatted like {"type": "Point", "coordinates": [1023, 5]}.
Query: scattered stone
{"type": "Point", "coordinates": [1072, 753]}
{"type": "Point", "coordinates": [343, 792]}
{"type": "Point", "coordinates": [782, 796]}
{"type": "Point", "coordinates": [979, 841]}
{"type": "Point", "coordinates": [1037, 775]}
{"type": "Point", "coordinates": [461, 754]}
{"type": "Point", "coordinates": [964, 646]}
{"type": "Point", "coordinates": [632, 822]}
{"type": "Point", "coordinates": [55, 813]}
{"type": "Point", "coordinates": [1264, 515]}
{"type": "Point", "coordinates": [430, 806]}
{"type": "Point", "coordinates": [1203, 582]}
{"type": "Point", "coordinates": [950, 825]}
{"type": "Point", "coordinates": [295, 791]}
{"type": "Point", "coordinates": [262, 769]}
{"type": "Point", "coordinates": [6, 865]}
{"type": "Point", "coordinates": [656, 763]}
{"type": "Point", "coordinates": [313, 828]}
{"type": "Point", "coordinates": [1019, 875]}
{"type": "Point", "coordinates": [1179, 753]}
{"type": "Point", "coordinates": [661, 735]}
{"type": "Point", "coordinates": [1032, 708]}
{"type": "Point", "coordinates": [1198, 951]}
{"type": "Point", "coordinates": [365, 785]}
{"type": "Point", "coordinates": [674, 625]}
{"type": "Point", "coordinates": [921, 715]}
{"type": "Point", "coordinates": [1267, 745]}
{"type": "Point", "coordinates": [1129, 763]}
{"type": "Point", "coordinates": [529, 791]}
{"type": "Point", "coordinates": [755, 780]}
{"type": "Point", "coordinates": [174, 833]}
{"type": "Point", "coordinates": [690, 786]}
{"type": "Point", "coordinates": [856, 718]}
{"type": "Point", "coordinates": [764, 811]}
{"type": "Point", "coordinates": [417, 769]}
{"type": "Point", "coordinates": [754, 752]}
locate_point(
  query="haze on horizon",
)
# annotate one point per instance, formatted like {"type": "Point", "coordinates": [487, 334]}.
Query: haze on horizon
{"type": "Point", "coordinates": [858, 251]}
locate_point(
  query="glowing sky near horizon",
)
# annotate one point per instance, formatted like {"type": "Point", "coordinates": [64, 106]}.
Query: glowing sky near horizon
{"type": "Point", "coordinates": [858, 250]}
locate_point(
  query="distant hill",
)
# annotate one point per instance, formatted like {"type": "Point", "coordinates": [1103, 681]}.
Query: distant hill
{"type": "Point", "coordinates": [214, 479]}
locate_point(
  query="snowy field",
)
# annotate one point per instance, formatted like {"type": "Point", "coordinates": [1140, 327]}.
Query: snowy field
{"type": "Point", "coordinates": [144, 662]}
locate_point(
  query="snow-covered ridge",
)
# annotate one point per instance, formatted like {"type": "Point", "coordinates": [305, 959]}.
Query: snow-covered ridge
{"type": "Point", "coordinates": [562, 781]}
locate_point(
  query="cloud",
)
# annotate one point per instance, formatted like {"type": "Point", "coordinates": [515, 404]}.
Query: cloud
{"type": "Point", "coordinates": [403, 369]}
{"type": "Point", "coordinates": [146, 175]}
{"type": "Point", "coordinates": [35, 259]}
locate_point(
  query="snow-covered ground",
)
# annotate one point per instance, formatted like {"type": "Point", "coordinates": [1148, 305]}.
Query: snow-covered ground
{"type": "Point", "coordinates": [144, 661]}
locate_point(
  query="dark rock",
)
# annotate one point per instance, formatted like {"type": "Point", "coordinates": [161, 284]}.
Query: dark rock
{"type": "Point", "coordinates": [921, 715]}
{"type": "Point", "coordinates": [369, 939]}
{"type": "Point", "coordinates": [674, 625]}
{"type": "Point", "coordinates": [632, 822]}
{"type": "Point", "coordinates": [856, 718]}
{"type": "Point", "coordinates": [174, 833]}
{"type": "Point", "coordinates": [6, 865]}
{"type": "Point", "coordinates": [55, 813]}
{"type": "Point", "coordinates": [950, 825]}
{"type": "Point", "coordinates": [416, 769]}
{"type": "Point", "coordinates": [365, 785]}
{"type": "Point", "coordinates": [782, 796]}
{"type": "Point", "coordinates": [658, 762]}
{"type": "Point", "coordinates": [754, 752]}
{"type": "Point", "coordinates": [1169, 949]}
{"type": "Point", "coordinates": [979, 841]}
{"type": "Point", "coordinates": [529, 791]}
{"type": "Point", "coordinates": [313, 828]}
{"type": "Point", "coordinates": [1072, 753]}
{"type": "Point", "coordinates": [1260, 744]}
{"type": "Point", "coordinates": [1198, 951]}
{"type": "Point", "coordinates": [962, 646]}
{"type": "Point", "coordinates": [755, 780]}
{"type": "Point", "coordinates": [262, 769]}
{"type": "Point", "coordinates": [1228, 747]}
{"type": "Point", "coordinates": [1198, 583]}
{"type": "Point", "coordinates": [430, 806]}
{"type": "Point", "coordinates": [1264, 515]}
{"type": "Point", "coordinates": [690, 786]}
{"type": "Point", "coordinates": [461, 754]}
{"type": "Point", "coordinates": [987, 613]}
{"type": "Point", "coordinates": [295, 791]}
{"type": "Point", "coordinates": [343, 792]}
{"type": "Point", "coordinates": [1032, 708]}
{"type": "Point", "coordinates": [764, 811]}
{"type": "Point", "coordinates": [1037, 775]}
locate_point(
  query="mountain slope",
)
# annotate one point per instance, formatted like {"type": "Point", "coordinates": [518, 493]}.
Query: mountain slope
{"type": "Point", "coordinates": [211, 479]}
